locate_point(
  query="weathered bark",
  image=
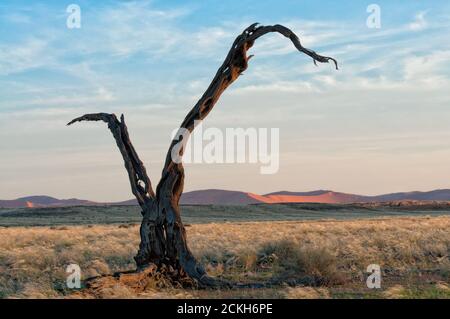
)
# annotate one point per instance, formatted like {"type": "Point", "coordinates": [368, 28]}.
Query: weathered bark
{"type": "Point", "coordinates": [163, 236]}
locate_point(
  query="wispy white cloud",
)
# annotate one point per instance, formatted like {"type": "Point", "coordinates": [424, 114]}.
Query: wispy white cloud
{"type": "Point", "coordinates": [27, 54]}
{"type": "Point", "coordinates": [16, 18]}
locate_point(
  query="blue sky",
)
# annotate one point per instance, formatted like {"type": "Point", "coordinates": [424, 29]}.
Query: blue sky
{"type": "Point", "coordinates": [379, 124]}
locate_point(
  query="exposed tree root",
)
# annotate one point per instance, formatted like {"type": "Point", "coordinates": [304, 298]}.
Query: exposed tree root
{"type": "Point", "coordinates": [154, 278]}
{"type": "Point", "coordinates": [148, 278]}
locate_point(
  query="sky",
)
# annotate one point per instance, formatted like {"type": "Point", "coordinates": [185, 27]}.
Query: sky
{"type": "Point", "coordinates": [379, 124]}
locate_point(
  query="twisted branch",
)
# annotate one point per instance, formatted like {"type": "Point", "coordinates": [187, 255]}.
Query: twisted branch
{"type": "Point", "coordinates": [235, 63]}
{"type": "Point", "coordinates": [139, 180]}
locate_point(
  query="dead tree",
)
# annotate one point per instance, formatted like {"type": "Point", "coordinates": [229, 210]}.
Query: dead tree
{"type": "Point", "coordinates": [163, 236]}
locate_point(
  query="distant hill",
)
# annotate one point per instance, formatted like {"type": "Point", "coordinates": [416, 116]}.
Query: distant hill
{"type": "Point", "coordinates": [439, 195]}
{"type": "Point", "coordinates": [210, 197]}
{"type": "Point", "coordinates": [44, 201]}
{"type": "Point", "coordinates": [217, 197]}
{"type": "Point", "coordinates": [226, 197]}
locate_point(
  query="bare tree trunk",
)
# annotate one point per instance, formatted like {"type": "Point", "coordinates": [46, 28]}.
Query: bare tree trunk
{"type": "Point", "coordinates": [163, 236]}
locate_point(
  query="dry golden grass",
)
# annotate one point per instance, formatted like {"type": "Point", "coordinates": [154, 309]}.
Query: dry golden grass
{"type": "Point", "coordinates": [307, 293]}
{"type": "Point", "coordinates": [329, 254]}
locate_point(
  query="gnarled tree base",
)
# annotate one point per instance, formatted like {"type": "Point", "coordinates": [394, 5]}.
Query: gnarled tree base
{"type": "Point", "coordinates": [148, 278]}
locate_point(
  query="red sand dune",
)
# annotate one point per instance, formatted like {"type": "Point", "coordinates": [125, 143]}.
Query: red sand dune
{"type": "Point", "coordinates": [30, 204]}
{"type": "Point", "coordinates": [327, 197]}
